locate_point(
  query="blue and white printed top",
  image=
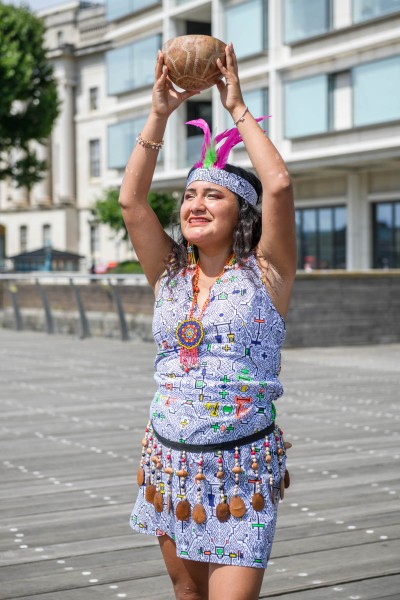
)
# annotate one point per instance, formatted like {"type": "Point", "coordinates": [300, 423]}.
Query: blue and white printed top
{"type": "Point", "coordinates": [229, 395]}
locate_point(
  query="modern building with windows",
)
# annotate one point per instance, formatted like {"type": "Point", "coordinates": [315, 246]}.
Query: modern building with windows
{"type": "Point", "coordinates": [327, 71]}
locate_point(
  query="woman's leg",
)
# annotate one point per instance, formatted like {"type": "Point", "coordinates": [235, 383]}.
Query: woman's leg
{"type": "Point", "coordinates": [234, 583]}
{"type": "Point", "coordinates": [189, 577]}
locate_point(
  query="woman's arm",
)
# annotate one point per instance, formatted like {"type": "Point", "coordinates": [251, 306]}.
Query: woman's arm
{"type": "Point", "coordinates": [278, 239]}
{"type": "Point", "coordinates": [150, 241]}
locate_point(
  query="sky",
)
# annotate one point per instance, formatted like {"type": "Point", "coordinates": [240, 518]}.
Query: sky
{"type": "Point", "coordinates": [36, 4]}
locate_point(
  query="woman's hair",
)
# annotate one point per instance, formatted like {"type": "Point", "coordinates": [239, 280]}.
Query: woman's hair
{"type": "Point", "coordinates": [246, 235]}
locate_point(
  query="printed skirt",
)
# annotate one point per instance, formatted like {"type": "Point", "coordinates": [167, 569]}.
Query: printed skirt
{"type": "Point", "coordinates": [219, 507]}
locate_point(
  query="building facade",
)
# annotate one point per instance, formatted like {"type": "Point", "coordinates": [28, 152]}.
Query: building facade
{"type": "Point", "coordinates": [327, 71]}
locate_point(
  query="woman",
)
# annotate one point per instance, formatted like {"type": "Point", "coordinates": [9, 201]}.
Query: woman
{"type": "Point", "coordinates": [213, 461]}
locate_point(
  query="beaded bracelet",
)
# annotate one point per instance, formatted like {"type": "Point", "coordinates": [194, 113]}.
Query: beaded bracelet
{"type": "Point", "coordinates": [149, 143]}
{"type": "Point", "coordinates": [241, 118]}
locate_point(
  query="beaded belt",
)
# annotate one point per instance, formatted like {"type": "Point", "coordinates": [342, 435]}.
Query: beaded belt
{"type": "Point", "coordinates": [229, 445]}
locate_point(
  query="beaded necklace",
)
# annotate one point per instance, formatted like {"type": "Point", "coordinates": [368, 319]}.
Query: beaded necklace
{"type": "Point", "coordinates": [190, 333]}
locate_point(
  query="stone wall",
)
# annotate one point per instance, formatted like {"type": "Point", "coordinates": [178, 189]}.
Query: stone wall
{"type": "Point", "coordinates": [327, 309]}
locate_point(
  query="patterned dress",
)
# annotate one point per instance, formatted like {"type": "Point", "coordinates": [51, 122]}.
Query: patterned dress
{"type": "Point", "coordinates": [229, 396]}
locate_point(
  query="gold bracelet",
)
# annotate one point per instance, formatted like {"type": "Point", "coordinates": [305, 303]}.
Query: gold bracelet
{"type": "Point", "coordinates": [241, 119]}
{"type": "Point", "coordinates": [149, 143]}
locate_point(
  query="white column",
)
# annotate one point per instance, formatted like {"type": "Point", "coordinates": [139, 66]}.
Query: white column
{"type": "Point", "coordinates": [63, 135]}
{"type": "Point", "coordinates": [358, 223]}
{"type": "Point", "coordinates": [41, 191]}
{"type": "Point", "coordinates": [19, 195]}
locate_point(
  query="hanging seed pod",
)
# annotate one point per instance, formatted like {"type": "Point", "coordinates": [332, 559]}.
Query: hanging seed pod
{"type": "Point", "coordinates": [158, 502]}
{"type": "Point", "coordinates": [237, 506]}
{"type": "Point", "coordinates": [182, 473]}
{"type": "Point", "coordinates": [287, 445]}
{"type": "Point", "coordinates": [182, 510]}
{"type": "Point", "coordinates": [222, 511]}
{"type": "Point", "coordinates": [282, 488]}
{"type": "Point", "coordinates": [150, 492]}
{"type": "Point", "coordinates": [140, 477]}
{"type": "Point", "coordinates": [199, 477]}
{"type": "Point", "coordinates": [199, 514]}
{"type": "Point", "coordinates": [286, 479]}
{"type": "Point", "coordinates": [258, 502]}
{"type": "Point", "coordinates": [237, 470]}
{"type": "Point", "coordinates": [169, 504]}
{"type": "Point", "coordinates": [272, 494]}
{"type": "Point", "coordinates": [168, 470]}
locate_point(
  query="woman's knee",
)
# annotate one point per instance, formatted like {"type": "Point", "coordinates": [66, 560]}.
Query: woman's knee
{"type": "Point", "coordinates": [189, 591]}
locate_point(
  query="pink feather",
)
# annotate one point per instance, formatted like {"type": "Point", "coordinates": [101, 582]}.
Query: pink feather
{"type": "Point", "coordinates": [207, 137]}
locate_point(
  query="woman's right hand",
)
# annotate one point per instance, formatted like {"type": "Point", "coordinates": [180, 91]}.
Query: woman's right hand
{"type": "Point", "coordinates": [166, 98]}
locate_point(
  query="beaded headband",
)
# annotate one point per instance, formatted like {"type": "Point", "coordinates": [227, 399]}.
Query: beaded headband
{"type": "Point", "coordinates": [214, 156]}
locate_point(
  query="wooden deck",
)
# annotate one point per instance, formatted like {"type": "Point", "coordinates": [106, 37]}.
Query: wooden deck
{"type": "Point", "coordinates": [72, 414]}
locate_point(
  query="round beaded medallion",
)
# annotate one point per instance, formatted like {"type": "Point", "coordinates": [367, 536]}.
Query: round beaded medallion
{"type": "Point", "coordinates": [189, 333]}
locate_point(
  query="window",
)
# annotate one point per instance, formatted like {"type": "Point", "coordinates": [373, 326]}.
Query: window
{"type": "Point", "coordinates": [306, 106]}
{"type": "Point", "coordinates": [60, 38]}
{"type": "Point", "coordinates": [257, 101]}
{"type": "Point", "coordinates": [94, 158]}
{"type": "Point", "coordinates": [198, 28]}
{"type": "Point", "coordinates": [119, 8]}
{"type": "Point", "coordinates": [376, 91]}
{"type": "Point", "coordinates": [132, 66]}
{"type": "Point", "coordinates": [386, 222]}
{"type": "Point", "coordinates": [121, 139]}
{"type": "Point", "coordinates": [321, 237]}
{"type": "Point", "coordinates": [371, 9]}
{"type": "Point", "coordinates": [94, 239]}
{"type": "Point", "coordinates": [94, 98]}
{"type": "Point", "coordinates": [246, 24]}
{"type": "Point", "coordinates": [23, 238]}
{"type": "Point", "coordinates": [46, 235]}
{"type": "Point", "coordinates": [305, 18]}
{"type": "Point", "coordinates": [195, 137]}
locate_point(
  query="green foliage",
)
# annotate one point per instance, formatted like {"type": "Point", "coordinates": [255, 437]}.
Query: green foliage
{"type": "Point", "coordinates": [108, 210]}
{"type": "Point", "coordinates": [127, 267]}
{"type": "Point", "coordinates": [29, 103]}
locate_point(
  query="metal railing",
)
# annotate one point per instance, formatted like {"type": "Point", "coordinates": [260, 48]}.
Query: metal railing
{"type": "Point", "coordinates": [113, 282]}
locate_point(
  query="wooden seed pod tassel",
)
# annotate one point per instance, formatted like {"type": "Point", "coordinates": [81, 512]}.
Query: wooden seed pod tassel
{"type": "Point", "coordinates": [236, 504]}
{"type": "Point", "coordinates": [169, 472]}
{"type": "Point", "coordinates": [140, 477]}
{"type": "Point", "coordinates": [257, 500]}
{"type": "Point", "coordinates": [150, 491]}
{"type": "Point", "coordinates": [222, 511]}
{"type": "Point", "coordinates": [158, 502]}
{"type": "Point", "coordinates": [182, 511]}
{"type": "Point", "coordinates": [199, 513]}
{"type": "Point", "coordinates": [268, 460]}
{"type": "Point", "coordinates": [281, 453]}
{"type": "Point", "coordinates": [287, 479]}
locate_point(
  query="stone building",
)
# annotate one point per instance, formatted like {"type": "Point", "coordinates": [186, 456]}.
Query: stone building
{"type": "Point", "coordinates": [327, 71]}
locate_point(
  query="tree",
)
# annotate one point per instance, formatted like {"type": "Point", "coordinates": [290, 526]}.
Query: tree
{"type": "Point", "coordinates": [108, 210]}
{"type": "Point", "coordinates": [29, 102]}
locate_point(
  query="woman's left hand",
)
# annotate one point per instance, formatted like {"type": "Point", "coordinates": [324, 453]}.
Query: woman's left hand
{"type": "Point", "coordinates": [230, 92]}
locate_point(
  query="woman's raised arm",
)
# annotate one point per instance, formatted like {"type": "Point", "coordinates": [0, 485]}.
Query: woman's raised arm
{"type": "Point", "coordinates": [150, 241]}
{"type": "Point", "coordinates": [278, 239]}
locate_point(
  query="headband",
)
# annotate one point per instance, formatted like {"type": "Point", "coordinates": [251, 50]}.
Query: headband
{"type": "Point", "coordinates": [214, 156]}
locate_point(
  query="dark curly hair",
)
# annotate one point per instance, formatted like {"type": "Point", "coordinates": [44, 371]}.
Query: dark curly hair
{"type": "Point", "coordinates": [246, 235]}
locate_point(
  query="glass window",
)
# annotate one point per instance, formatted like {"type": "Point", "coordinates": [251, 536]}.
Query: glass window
{"type": "Point", "coordinates": [46, 235]}
{"type": "Point", "coordinates": [246, 25]}
{"type": "Point", "coordinates": [121, 139]}
{"type": "Point", "coordinates": [94, 239]}
{"type": "Point", "coordinates": [321, 237]}
{"type": "Point", "coordinates": [23, 238]}
{"type": "Point", "coordinates": [132, 66]}
{"type": "Point", "coordinates": [306, 106]}
{"type": "Point", "coordinates": [305, 18]}
{"type": "Point", "coordinates": [387, 235]}
{"type": "Point", "coordinates": [119, 8]}
{"type": "Point", "coordinates": [371, 9]}
{"type": "Point", "coordinates": [94, 98]}
{"type": "Point", "coordinates": [376, 93]}
{"type": "Point", "coordinates": [94, 158]}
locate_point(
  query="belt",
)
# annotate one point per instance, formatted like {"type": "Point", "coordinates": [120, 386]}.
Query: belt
{"type": "Point", "coordinates": [229, 445]}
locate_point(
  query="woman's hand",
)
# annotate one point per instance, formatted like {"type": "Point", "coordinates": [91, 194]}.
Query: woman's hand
{"type": "Point", "coordinates": [165, 97]}
{"type": "Point", "coordinates": [230, 92]}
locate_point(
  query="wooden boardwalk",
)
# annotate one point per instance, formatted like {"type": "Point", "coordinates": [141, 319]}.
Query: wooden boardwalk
{"type": "Point", "coordinates": [72, 415]}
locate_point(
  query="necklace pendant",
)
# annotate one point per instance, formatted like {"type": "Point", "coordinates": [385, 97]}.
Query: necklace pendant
{"type": "Point", "coordinates": [189, 335]}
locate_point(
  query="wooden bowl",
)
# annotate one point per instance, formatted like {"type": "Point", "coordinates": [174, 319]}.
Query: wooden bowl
{"type": "Point", "coordinates": [192, 61]}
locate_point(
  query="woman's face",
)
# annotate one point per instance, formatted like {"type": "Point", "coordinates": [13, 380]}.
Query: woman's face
{"type": "Point", "coordinates": [209, 215]}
